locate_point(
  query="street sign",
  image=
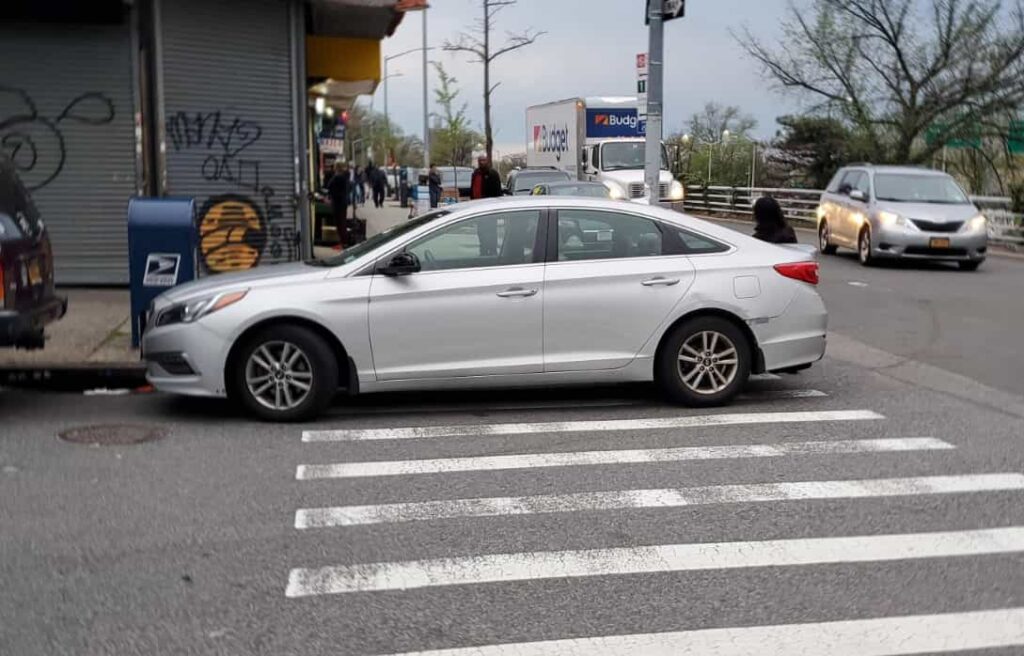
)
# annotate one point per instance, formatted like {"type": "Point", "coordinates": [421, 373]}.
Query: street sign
{"type": "Point", "coordinates": [641, 83]}
{"type": "Point", "coordinates": [1015, 140]}
{"type": "Point", "coordinates": [332, 145]}
{"type": "Point", "coordinates": [670, 9]}
{"type": "Point", "coordinates": [967, 136]}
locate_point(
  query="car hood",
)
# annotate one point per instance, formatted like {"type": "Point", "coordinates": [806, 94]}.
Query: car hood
{"type": "Point", "coordinates": [935, 212]}
{"type": "Point", "coordinates": [262, 276]}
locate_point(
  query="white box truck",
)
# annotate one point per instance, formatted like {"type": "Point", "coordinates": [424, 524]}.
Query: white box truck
{"type": "Point", "coordinates": [601, 139]}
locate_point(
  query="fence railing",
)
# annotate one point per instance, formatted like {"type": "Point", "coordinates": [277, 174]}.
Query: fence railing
{"type": "Point", "coordinates": [800, 206]}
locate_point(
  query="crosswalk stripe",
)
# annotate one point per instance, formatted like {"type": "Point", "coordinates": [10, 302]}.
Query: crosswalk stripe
{"type": "Point", "coordinates": [768, 395]}
{"type": "Point", "coordinates": [495, 568]}
{"type": "Point", "coordinates": [757, 377]}
{"type": "Point", "coordinates": [885, 636]}
{"type": "Point", "coordinates": [658, 498]}
{"type": "Point", "coordinates": [352, 435]}
{"type": "Point", "coordinates": [614, 457]}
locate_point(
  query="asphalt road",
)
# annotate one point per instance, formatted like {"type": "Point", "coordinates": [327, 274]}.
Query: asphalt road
{"type": "Point", "coordinates": [872, 505]}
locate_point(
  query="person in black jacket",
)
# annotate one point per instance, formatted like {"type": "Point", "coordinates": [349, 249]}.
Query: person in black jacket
{"type": "Point", "coordinates": [339, 188]}
{"type": "Point", "coordinates": [434, 180]}
{"type": "Point", "coordinates": [770, 222]}
{"type": "Point", "coordinates": [486, 183]}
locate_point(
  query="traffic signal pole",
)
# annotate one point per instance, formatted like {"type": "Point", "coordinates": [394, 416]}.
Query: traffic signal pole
{"type": "Point", "coordinates": [655, 58]}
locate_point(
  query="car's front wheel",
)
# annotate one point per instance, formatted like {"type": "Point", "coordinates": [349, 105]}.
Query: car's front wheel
{"type": "Point", "coordinates": [864, 248]}
{"type": "Point", "coordinates": [825, 244]}
{"type": "Point", "coordinates": [705, 362]}
{"type": "Point", "coordinates": [284, 373]}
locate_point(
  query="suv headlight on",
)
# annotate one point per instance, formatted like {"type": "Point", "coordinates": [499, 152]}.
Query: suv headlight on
{"type": "Point", "coordinates": [615, 190]}
{"type": "Point", "coordinates": [894, 220]}
{"type": "Point", "coordinates": [196, 308]}
{"type": "Point", "coordinates": [977, 223]}
{"type": "Point", "coordinates": [676, 191]}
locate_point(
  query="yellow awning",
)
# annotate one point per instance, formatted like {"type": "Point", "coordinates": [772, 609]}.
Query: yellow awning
{"type": "Point", "coordinates": [343, 60]}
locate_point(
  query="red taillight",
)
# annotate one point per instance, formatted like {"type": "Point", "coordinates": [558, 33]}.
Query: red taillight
{"type": "Point", "coordinates": [802, 271]}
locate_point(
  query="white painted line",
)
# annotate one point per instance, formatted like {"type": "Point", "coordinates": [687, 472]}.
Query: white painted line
{"type": "Point", "coordinates": [885, 636]}
{"type": "Point", "coordinates": [766, 377]}
{"type": "Point", "coordinates": [700, 421]}
{"type": "Point", "coordinates": [493, 407]}
{"type": "Point", "coordinates": [497, 568]}
{"type": "Point", "coordinates": [766, 395]}
{"type": "Point", "coordinates": [664, 498]}
{"type": "Point", "coordinates": [615, 457]}
{"type": "Point", "coordinates": [856, 283]}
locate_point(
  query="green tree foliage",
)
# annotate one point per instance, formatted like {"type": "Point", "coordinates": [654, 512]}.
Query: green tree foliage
{"type": "Point", "coordinates": [452, 139]}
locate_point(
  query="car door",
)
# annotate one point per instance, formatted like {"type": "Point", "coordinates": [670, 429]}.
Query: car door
{"type": "Point", "coordinates": [609, 283]}
{"type": "Point", "coordinates": [475, 307]}
{"type": "Point", "coordinates": [853, 211]}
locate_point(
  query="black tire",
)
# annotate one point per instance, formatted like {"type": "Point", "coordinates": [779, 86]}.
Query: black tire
{"type": "Point", "coordinates": [864, 254]}
{"type": "Point", "coordinates": [824, 244]}
{"type": "Point", "coordinates": [970, 266]}
{"type": "Point", "coordinates": [322, 373]}
{"type": "Point", "coordinates": [670, 369]}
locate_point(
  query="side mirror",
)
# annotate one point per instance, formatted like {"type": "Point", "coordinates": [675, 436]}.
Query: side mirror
{"type": "Point", "coordinates": [858, 195]}
{"type": "Point", "coordinates": [400, 264]}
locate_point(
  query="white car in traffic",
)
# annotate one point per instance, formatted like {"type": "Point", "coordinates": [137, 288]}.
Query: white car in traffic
{"type": "Point", "coordinates": [530, 291]}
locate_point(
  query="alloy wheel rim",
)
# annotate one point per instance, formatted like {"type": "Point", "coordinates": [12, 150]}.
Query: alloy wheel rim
{"type": "Point", "coordinates": [823, 236]}
{"type": "Point", "coordinates": [708, 362]}
{"type": "Point", "coordinates": [279, 376]}
{"type": "Point", "coordinates": [865, 246]}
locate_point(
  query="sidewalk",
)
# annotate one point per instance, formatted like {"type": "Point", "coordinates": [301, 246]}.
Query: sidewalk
{"type": "Point", "coordinates": [377, 221]}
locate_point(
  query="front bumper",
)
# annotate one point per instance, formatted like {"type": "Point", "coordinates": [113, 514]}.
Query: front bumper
{"type": "Point", "coordinates": [25, 329]}
{"type": "Point", "coordinates": [204, 351]}
{"type": "Point", "coordinates": [919, 245]}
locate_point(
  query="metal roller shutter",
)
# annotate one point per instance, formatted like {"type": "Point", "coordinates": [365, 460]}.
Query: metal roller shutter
{"type": "Point", "coordinates": [66, 119]}
{"type": "Point", "coordinates": [226, 70]}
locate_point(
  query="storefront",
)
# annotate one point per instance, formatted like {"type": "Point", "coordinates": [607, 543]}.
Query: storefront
{"type": "Point", "coordinates": [209, 99]}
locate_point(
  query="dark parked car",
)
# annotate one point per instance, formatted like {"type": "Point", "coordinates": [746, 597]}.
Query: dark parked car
{"type": "Point", "coordinates": [27, 299]}
{"type": "Point", "coordinates": [522, 181]}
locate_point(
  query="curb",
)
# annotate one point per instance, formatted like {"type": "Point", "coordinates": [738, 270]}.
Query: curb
{"type": "Point", "coordinates": [75, 378]}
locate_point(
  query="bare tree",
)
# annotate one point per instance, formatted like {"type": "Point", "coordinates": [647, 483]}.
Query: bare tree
{"type": "Point", "coordinates": [895, 69]}
{"type": "Point", "coordinates": [708, 125]}
{"type": "Point", "coordinates": [477, 42]}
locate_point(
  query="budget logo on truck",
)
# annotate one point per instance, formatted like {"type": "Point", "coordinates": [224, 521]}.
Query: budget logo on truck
{"type": "Point", "coordinates": [614, 123]}
{"type": "Point", "coordinates": [551, 140]}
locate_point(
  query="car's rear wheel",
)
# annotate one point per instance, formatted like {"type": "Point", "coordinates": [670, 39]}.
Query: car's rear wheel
{"type": "Point", "coordinates": [825, 239]}
{"type": "Point", "coordinates": [705, 362]}
{"type": "Point", "coordinates": [285, 373]}
{"type": "Point", "coordinates": [970, 266]}
{"type": "Point", "coordinates": [864, 248]}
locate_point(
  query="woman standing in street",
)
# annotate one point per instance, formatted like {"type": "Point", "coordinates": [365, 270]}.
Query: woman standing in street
{"type": "Point", "coordinates": [770, 222]}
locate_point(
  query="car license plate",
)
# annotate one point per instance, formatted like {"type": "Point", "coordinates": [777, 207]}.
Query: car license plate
{"type": "Point", "coordinates": [939, 242]}
{"type": "Point", "coordinates": [35, 274]}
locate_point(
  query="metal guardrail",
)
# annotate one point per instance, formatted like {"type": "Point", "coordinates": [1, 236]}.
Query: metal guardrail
{"type": "Point", "coordinates": [800, 206]}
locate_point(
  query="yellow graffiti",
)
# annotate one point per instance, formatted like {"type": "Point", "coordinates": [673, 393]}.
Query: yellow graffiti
{"type": "Point", "coordinates": [231, 234]}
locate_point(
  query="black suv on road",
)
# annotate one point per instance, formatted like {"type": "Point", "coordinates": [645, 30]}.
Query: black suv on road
{"type": "Point", "coordinates": [27, 298]}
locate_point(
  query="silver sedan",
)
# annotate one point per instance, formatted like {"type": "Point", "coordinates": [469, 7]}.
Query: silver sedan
{"type": "Point", "coordinates": [511, 292]}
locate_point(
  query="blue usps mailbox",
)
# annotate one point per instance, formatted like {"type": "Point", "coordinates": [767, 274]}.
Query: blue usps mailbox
{"type": "Point", "coordinates": [162, 239]}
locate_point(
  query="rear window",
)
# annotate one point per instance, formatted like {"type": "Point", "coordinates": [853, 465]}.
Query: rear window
{"type": "Point", "coordinates": [9, 229]}
{"type": "Point", "coordinates": [21, 216]}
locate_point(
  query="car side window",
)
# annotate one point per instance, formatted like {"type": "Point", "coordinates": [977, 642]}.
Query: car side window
{"type": "Point", "coordinates": [863, 183]}
{"type": "Point", "coordinates": [849, 182]}
{"type": "Point", "coordinates": [498, 239]}
{"type": "Point", "coordinates": [598, 235]}
{"type": "Point", "coordinates": [684, 242]}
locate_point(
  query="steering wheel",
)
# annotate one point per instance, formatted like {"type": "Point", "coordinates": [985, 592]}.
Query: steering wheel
{"type": "Point", "coordinates": [428, 257]}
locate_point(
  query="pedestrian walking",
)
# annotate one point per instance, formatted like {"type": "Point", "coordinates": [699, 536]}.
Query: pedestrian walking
{"type": "Point", "coordinates": [339, 189]}
{"type": "Point", "coordinates": [379, 183]}
{"type": "Point", "coordinates": [770, 222]}
{"type": "Point", "coordinates": [486, 183]}
{"type": "Point", "coordinates": [360, 188]}
{"type": "Point", "coordinates": [434, 180]}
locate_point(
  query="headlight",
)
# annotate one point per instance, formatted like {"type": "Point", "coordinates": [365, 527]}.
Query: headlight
{"type": "Point", "coordinates": [676, 191]}
{"type": "Point", "coordinates": [890, 219]}
{"type": "Point", "coordinates": [615, 190]}
{"type": "Point", "coordinates": [191, 310]}
{"type": "Point", "coordinates": [977, 224]}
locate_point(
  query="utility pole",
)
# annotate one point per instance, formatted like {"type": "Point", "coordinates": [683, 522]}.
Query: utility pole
{"type": "Point", "coordinates": [426, 110]}
{"type": "Point", "coordinates": [655, 61]}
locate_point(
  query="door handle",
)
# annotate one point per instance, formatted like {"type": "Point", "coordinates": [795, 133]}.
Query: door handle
{"type": "Point", "coordinates": [517, 292]}
{"type": "Point", "coordinates": [663, 282]}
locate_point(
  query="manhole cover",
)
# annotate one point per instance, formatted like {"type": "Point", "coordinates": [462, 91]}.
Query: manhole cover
{"type": "Point", "coordinates": [112, 434]}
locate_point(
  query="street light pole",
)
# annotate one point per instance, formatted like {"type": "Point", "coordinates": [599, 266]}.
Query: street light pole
{"type": "Point", "coordinates": [655, 63]}
{"type": "Point", "coordinates": [426, 110]}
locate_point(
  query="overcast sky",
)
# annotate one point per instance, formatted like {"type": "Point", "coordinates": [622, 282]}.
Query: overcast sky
{"type": "Point", "coordinates": [589, 49]}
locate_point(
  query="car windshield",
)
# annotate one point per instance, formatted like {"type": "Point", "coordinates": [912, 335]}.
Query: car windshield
{"type": "Point", "coordinates": [593, 191]}
{"type": "Point", "coordinates": [527, 181]}
{"type": "Point", "coordinates": [627, 155]}
{"type": "Point", "coordinates": [354, 252]}
{"type": "Point", "coordinates": [909, 188]}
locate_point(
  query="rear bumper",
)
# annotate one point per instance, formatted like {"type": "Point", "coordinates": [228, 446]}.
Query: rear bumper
{"type": "Point", "coordinates": [24, 329]}
{"type": "Point", "coordinates": [921, 245]}
{"type": "Point", "coordinates": [795, 338]}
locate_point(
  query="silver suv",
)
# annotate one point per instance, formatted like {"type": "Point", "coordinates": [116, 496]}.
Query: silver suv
{"type": "Point", "coordinates": [901, 212]}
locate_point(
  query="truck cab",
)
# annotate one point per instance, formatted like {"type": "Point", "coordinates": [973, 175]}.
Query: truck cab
{"type": "Point", "coordinates": [619, 164]}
